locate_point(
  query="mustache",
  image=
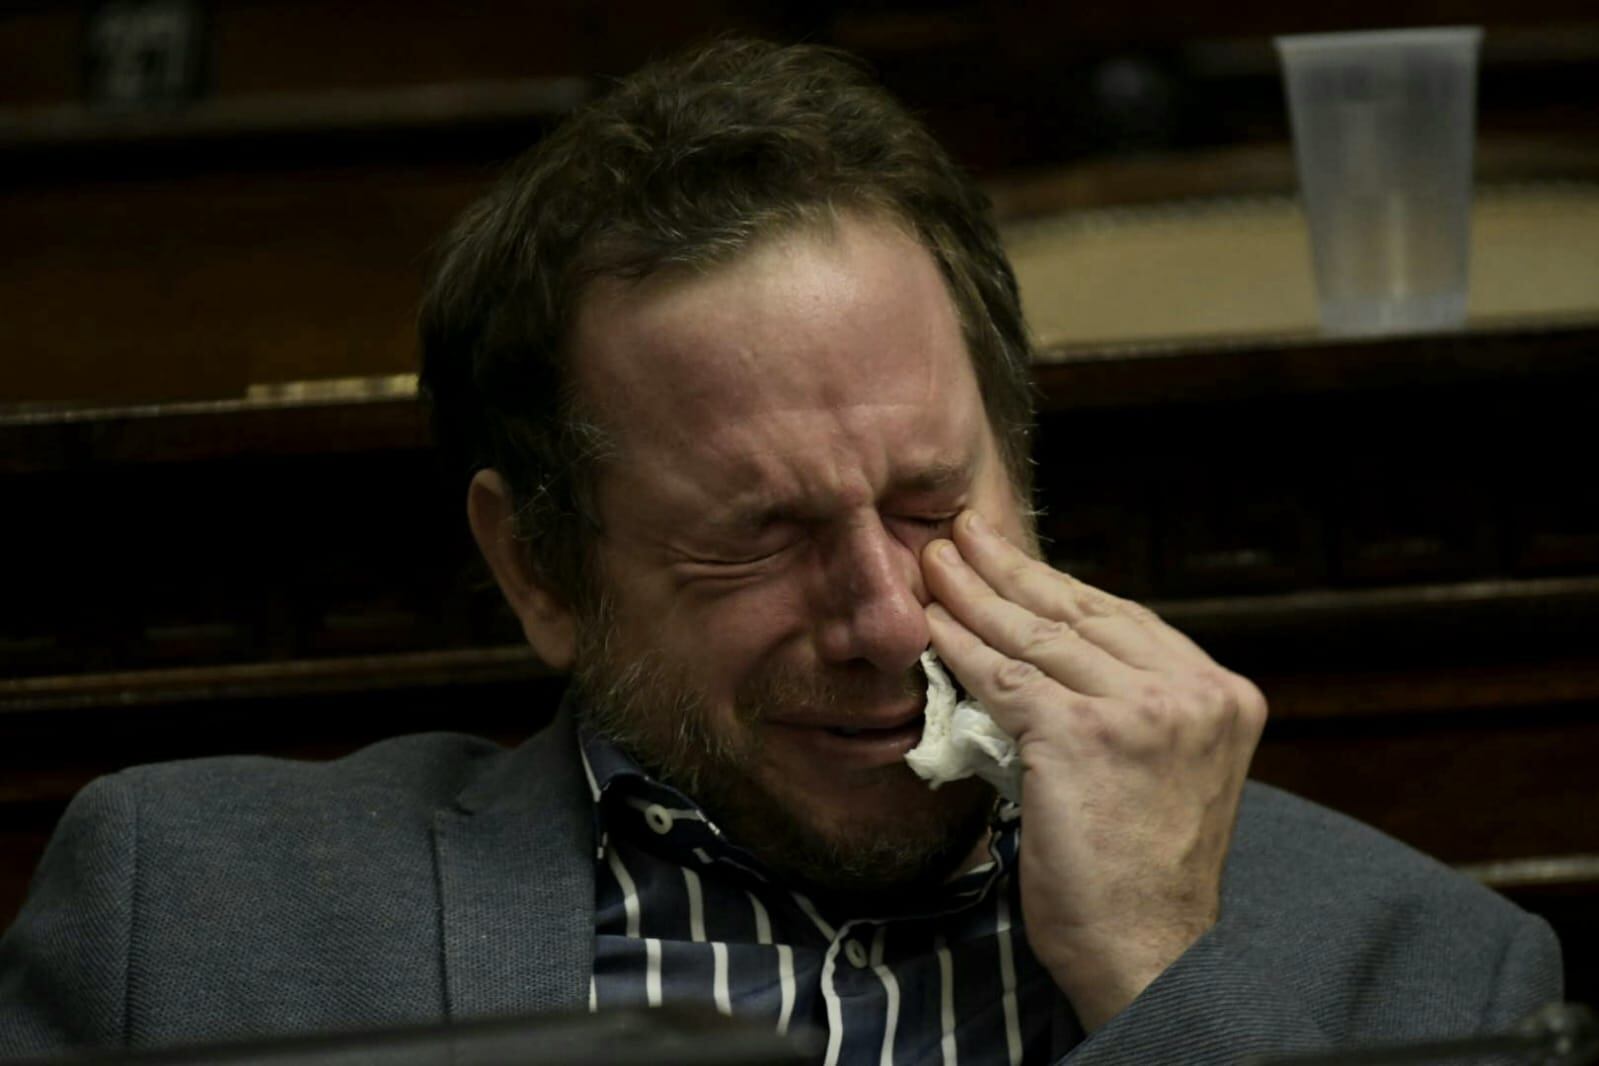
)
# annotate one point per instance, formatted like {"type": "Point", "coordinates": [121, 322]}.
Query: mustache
{"type": "Point", "coordinates": [836, 691]}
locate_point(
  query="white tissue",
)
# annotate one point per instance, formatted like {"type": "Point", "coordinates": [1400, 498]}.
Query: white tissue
{"type": "Point", "coordinates": [959, 739]}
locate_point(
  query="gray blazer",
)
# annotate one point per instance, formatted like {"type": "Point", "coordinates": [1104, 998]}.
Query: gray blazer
{"type": "Point", "coordinates": [441, 876]}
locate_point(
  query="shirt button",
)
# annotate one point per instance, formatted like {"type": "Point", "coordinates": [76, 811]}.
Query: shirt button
{"type": "Point", "coordinates": [658, 818]}
{"type": "Point", "coordinates": [855, 953]}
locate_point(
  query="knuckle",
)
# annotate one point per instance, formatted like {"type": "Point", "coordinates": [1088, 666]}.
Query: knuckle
{"type": "Point", "coordinates": [1095, 603]}
{"type": "Point", "coordinates": [1232, 698]}
{"type": "Point", "coordinates": [1043, 633]}
{"type": "Point", "coordinates": [1015, 676]}
{"type": "Point", "coordinates": [1156, 702]}
{"type": "Point", "coordinates": [1014, 573]}
{"type": "Point", "coordinates": [1252, 703]}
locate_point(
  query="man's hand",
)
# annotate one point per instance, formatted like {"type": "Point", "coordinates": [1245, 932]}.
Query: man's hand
{"type": "Point", "coordinates": [1134, 745]}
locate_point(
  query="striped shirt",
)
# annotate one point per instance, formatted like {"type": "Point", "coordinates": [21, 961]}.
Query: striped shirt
{"type": "Point", "coordinates": [684, 915]}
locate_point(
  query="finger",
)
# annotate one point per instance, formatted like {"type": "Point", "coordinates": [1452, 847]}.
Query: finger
{"type": "Point", "coordinates": [1179, 641]}
{"type": "Point", "coordinates": [1135, 643]}
{"type": "Point", "coordinates": [1128, 630]}
{"type": "Point", "coordinates": [1017, 633]}
{"type": "Point", "coordinates": [1023, 579]}
{"type": "Point", "coordinates": [1014, 692]}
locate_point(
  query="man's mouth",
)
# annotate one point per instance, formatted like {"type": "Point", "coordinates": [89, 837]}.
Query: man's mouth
{"type": "Point", "coordinates": [831, 750]}
{"type": "Point", "coordinates": [871, 732]}
{"type": "Point", "coordinates": [867, 733]}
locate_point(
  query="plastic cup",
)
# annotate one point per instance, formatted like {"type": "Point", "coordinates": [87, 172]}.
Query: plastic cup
{"type": "Point", "coordinates": [1383, 125]}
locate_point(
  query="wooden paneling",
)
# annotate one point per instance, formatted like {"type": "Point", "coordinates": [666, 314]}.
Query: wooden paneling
{"type": "Point", "coordinates": [1036, 25]}
{"type": "Point", "coordinates": [293, 45]}
{"type": "Point", "coordinates": [196, 287]}
{"type": "Point", "coordinates": [40, 54]}
{"type": "Point", "coordinates": [1468, 787]}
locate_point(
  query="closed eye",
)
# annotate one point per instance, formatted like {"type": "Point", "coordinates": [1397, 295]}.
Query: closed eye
{"type": "Point", "coordinates": [733, 562]}
{"type": "Point", "coordinates": [748, 561]}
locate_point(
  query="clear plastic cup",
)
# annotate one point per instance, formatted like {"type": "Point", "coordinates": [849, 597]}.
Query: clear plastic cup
{"type": "Point", "coordinates": [1384, 124]}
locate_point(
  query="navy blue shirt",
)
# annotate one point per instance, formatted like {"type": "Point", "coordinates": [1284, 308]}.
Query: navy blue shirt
{"type": "Point", "coordinates": [684, 915]}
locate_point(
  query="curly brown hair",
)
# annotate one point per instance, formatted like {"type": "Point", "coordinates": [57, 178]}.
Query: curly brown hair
{"type": "Point", "coordinates": [684, 164]}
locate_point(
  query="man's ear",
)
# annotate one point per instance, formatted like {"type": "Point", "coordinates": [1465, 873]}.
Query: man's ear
{"type": "Point", "coordinates": [548, 623]}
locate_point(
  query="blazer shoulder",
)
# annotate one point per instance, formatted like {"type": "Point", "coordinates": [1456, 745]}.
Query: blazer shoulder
{"type": "Point", "coordinates": [423, 771]}
{"type": "Point", "coordinates": [1324, 856]}
{"type": "Point", "coordinates": [245, 817]}
{"type": "Point", "coordinates": [1341, 903]}
{"type": "Point", "coordinates": [190, 899]}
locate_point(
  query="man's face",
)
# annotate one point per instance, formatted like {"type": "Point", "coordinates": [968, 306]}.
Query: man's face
{"type": "Point", "coordinates": [792, 428]}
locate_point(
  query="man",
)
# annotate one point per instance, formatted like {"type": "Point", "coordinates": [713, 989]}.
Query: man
{"type": "Point", "coordinates": [739, 369]}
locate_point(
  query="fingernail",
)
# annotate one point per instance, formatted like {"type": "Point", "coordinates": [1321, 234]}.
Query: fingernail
{"type": "Point", "coordinates": [975, 523]}
{"type": "Point", "coordinates": [947, 553]}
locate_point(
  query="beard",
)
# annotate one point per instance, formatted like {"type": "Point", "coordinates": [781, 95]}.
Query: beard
{"type": "Point", "coordinates": [651, 708]}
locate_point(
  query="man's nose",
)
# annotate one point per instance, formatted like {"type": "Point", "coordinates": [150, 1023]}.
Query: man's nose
{"type": "Point", "coordinates": [873, 595]}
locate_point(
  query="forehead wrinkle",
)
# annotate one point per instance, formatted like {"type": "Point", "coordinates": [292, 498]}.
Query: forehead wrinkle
{"type": "Point", "coordinates": [787, 483]}
{"type": "Point", "coordinates": [737, 334]}
{"type": "Point", "coordinates": [749, 473]}
{"type": "Point", "coordinates": [851, 469]}
{"type": "Point", "coordinates": [764, 298]}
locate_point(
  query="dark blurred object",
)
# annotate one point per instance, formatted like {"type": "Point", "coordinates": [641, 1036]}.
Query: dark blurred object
{"type": "Point", "coordinates": [1136, 100]}
{"type": "Point", "coordinates": [676, 1035]}
{"type": "Point", "coordinates": [1554, 523]}
{"type": "Point", "coordinates": [144, 54]}
{"type": "Point", "coordinates": [1424, 522]}
{"type": "Point", "coordinates": [1101, 532]}
{"type": "Point", "coordinates": [1240, 529]}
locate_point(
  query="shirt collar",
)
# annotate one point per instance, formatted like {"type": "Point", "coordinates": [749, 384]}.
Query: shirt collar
{"type": "Point", "coordinates": [627, 800]}
{"type": "Point", "coordinates": [654, 815]}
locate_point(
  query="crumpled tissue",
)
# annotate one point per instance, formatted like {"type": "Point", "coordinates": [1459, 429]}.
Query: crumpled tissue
{"type": "Point", "coordinates": [959, 739]}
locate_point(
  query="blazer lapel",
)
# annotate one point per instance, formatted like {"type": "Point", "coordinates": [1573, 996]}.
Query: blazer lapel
{"type": "Point", "coordinates": [515, 858]}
